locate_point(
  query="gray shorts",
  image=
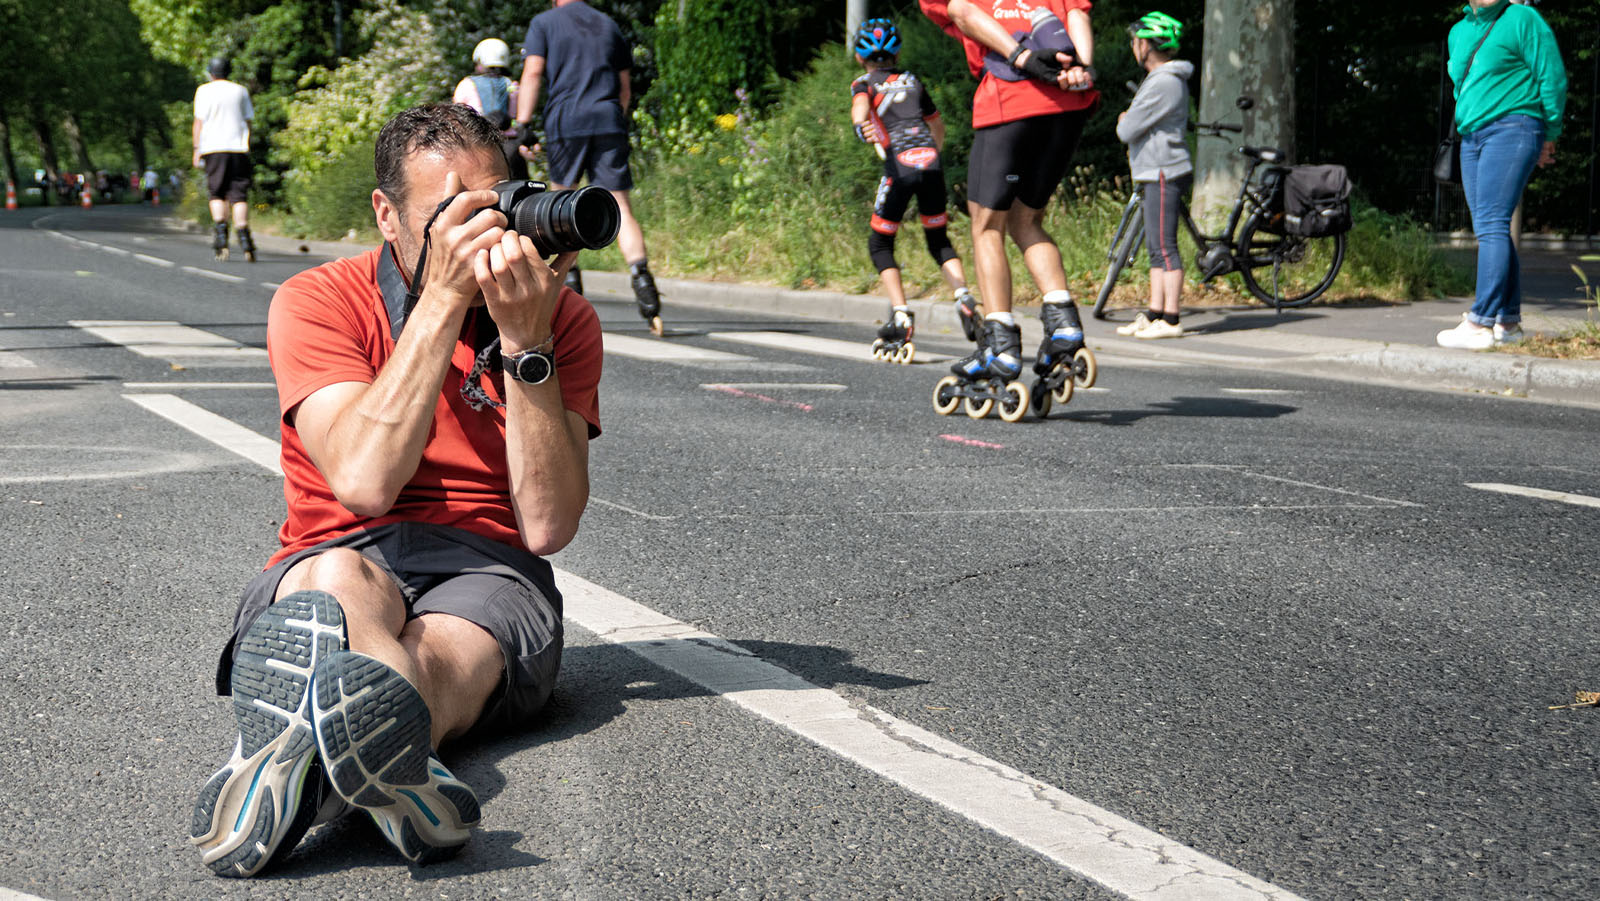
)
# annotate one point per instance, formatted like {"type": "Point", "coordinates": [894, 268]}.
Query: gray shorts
{"type": "Point", "coordinates": [507, 591]}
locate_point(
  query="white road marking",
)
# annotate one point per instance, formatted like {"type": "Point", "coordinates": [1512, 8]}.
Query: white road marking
{"type": "Point", "coordinates": [860, 351]}
{"type": "Point", "coordinates": [224, 433]}
{"type": "Point", "coordinates": [639, 513]}
{"type": "Point", "coordinates": [1270, 478]}
{"type": "Point", "coordinates": [156, 261]}
{"type": "Point", "coordinates": [1259, 391]}
{"type": "Point", "coordinates": [167, 340]}
{"type": "Point", "coordinates": [666, 351]}
{"type": "Point", "coordinates": [7, 894]}
{"type": "Point", "coordinates": [1565, 497]}
{"type": "Point", "coordinates": [116, 251]}
{"type": "Point", "coordinates": [1096, 843]}
{"type": "Point", "coordinates": [273, 285]}
{"type": "Point", "coordinates": [191, 386]}
{"type": "Point", "coordinates": [10, 359]}
{"type": "Point", "coordinates": [219, 276]}
{"type": "Point", "coordinates": [773, 386]}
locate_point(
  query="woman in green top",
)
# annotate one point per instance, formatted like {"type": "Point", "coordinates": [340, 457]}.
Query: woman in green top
{"type": "Point", "coordinates": [1509, 100]}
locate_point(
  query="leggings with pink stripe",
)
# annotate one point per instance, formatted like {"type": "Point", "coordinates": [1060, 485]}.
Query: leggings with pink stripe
{"type": "Point", "coordinates": [1161, 199]}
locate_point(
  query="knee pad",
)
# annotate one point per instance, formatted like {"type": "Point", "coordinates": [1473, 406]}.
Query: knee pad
{"type": "Point", "coordinates": [938, 238]}
{"type": "Point", "coordinates": [881, 247]}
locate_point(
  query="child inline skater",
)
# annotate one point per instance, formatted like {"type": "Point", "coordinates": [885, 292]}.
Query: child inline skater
{"type": "Point", "coordinates": [1153, 127]}
{"type": "Point", "coordinates": [893, 111]}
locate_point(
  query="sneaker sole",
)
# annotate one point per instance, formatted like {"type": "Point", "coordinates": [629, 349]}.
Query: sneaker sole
{"type": "Point", "coordinates": [373, 729]}
{"type": "Point", "coordinates": [251, 807]}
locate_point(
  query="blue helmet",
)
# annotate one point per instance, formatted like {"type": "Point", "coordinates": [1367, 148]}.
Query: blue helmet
{"type": "Point", "coordinates": [877, 39]}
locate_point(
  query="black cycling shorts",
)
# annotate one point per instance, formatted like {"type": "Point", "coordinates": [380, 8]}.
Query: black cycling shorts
{"type": "Point", "coordinates": [1161, 200]}
{"type": "Point", "coordinates": [1023, 160]}
{"type": "Point", "coordinates": [895, 190]}
{"type": "Point", "coordinates": [504, 590]}
{"type": "Point", "coordinates": [604, 158]}
{"type": "Point", "coordinates": [228, 176]}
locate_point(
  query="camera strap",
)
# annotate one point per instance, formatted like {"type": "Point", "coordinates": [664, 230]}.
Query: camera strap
{"type": "Point", "coordinates": [422, 261]}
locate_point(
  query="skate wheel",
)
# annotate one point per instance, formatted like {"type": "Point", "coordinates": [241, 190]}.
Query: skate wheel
{"type": "Point", "coordinates": [250, 256]}
{"type": "Point", "coordinates": [1040, 396]}
{"type": "Point", "coordinates": [1084, 369]}
{"type": "Point", "coordinates": [977, 409]}
{"type": "Point", "coordinates": [906, 354]}
{"type": "Point", "coordinates": [1063, 392]}
{"type": "Point", "coordinates": [945, 398]}
{"type": "Point", "coordinates": [221, 254]}
{"type": "Point", "coordinates": [1014, 406]}
{"type": "Point", "coordinates": [656, 327]}
{"type": "Point", "coordinates": [877, 348]}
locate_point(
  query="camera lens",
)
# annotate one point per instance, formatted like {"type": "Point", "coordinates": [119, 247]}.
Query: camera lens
{"type": "Point", "coordinates": [563, 221]}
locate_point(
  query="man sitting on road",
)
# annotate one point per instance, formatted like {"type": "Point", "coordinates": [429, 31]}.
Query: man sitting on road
{"type": "Point", "coordinates": [582, 53]}
{"type": "Point", "coordinates": [410, 602]}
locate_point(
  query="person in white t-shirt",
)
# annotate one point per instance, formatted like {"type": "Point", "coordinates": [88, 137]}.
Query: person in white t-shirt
{"type": "Point", "coordinates": [222, 114]}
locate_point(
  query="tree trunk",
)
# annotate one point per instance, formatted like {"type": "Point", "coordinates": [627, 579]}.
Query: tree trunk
{"type": "Point", "coordinates": [45, 135]}
{"type": "Point", "coordinates": [136, 143]}
{"type": "Point", "coordinates": [5, 147]}
{"type": "Point", "coordinates": [74, 132]}
{"type": "Point", "coordinates": [1249, 51]}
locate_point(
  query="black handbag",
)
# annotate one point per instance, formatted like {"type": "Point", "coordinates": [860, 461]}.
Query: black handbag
{"type": "Point", "coordinates": [1447, 158]}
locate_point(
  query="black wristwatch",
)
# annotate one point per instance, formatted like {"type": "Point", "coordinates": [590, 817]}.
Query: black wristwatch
{"type": "Point", "coordinates": [533, 366]}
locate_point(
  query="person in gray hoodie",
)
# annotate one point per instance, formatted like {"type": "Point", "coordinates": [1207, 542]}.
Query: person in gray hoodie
{"type": "Point", "coordinates": [1154, 127]}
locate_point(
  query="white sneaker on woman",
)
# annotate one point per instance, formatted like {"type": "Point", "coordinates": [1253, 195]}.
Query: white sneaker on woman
{"type": "Point", "coordinates": [1508, 334]}
{"type": "Point", "coordinates": [1132, 328]}
{"type": "Point", "coordinates": [1467, 336]}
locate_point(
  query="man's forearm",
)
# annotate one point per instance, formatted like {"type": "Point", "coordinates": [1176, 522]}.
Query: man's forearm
{"type": "Point", "coordinates": [548, 459]}
{"type": "Point", "coordinates": [527, 94]}
{"type": "Point", "coordinates": [981, 27]}
{"type": "Point", "coordinates": [374, 445]}
{"type": "Point", "coordinates": [1082, 34]}
{"type": "Point", "coordinates": [625, 88]}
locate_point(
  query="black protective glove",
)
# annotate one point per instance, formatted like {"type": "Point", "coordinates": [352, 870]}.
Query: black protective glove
{"type": "Point", "coordinates": [527, 136]}
{"type": "Point", "coordinates": [860, 133]}
{"type": "Point", "coordinates": [1038, 65]}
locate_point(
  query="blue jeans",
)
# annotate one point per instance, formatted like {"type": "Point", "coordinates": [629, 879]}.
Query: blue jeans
{"type": "Point", "coordinates": [1496, 162]}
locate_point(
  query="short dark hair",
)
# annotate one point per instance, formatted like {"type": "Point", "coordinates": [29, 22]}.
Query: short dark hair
{"type": "Point", "coordinates": [446, 127]}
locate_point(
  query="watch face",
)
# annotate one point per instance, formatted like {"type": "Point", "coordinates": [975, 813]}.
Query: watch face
{"type": "Point", "coordinates": [533, 368]}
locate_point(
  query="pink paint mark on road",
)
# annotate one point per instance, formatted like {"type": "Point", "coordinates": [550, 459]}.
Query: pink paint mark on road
{"type": "Point", "coordinates": [725, 389]}
{"type": "Point", "coordinates": [972, 442]}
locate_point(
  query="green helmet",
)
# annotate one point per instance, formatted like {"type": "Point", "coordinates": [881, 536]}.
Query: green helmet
{"type": "Point", "coordinates": [1159, 29]}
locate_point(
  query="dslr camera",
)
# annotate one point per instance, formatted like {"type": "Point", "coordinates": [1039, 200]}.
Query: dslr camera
{"type": "Point", "coordinates": [586, 218]}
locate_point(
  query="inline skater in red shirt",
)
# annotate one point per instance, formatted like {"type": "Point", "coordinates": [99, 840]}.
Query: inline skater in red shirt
{"type": "Point", "coordinates": [1036, 93]}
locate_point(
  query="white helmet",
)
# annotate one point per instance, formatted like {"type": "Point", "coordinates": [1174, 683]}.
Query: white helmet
{"type": "Point", "coordinates": [492, 53]}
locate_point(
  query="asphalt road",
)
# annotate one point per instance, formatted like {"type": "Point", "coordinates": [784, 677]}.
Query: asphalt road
{"type": "Point", "coordinates": [1260, 615]}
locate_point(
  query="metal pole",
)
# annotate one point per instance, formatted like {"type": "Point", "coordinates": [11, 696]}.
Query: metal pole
{"type": "Point", "coordinates": [1594, 107]}
{"type": "Point", "coordinates": [854, 12]}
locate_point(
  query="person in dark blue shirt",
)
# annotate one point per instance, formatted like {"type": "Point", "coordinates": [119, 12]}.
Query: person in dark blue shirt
{"type": "Point", "coordinates": [582, 55]}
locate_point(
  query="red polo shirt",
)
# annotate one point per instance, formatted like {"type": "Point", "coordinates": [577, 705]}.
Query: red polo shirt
{"type": "Point", "coordinates": [332, 324]}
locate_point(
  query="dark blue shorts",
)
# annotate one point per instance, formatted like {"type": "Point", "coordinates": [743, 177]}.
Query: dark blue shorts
{"type": "Point", "coordinates": [504, 590]}
{"type": "Point", "coordinates": [604, 158]}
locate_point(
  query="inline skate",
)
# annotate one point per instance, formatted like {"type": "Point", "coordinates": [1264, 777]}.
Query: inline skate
{"type": "Point", "coordinates": [1063, 362]}
{"type": "Point", "coordinates": [987, 378]}
{"type": "Point", "coordinates": [646, 296]}
{"type": "Point", "coordinates": [893, 344]}
{"type": "Point", "coordinates": [219, 241]}
{"type": "Point", "coordinates": [247, 244]}
{"type": "Point", "coordinates": [970, 313]}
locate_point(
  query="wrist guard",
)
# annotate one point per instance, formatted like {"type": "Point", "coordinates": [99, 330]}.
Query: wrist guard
{"type": "Point", "coordinates": [1037, 65]}
{"type": "Point", "coordinates": [861, 133]}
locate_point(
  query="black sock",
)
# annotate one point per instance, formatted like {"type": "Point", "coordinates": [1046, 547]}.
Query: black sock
{"type": "Point", "coordinates": [1172, 318]}
{"type": "Point", "coordinates": [1152, 315]}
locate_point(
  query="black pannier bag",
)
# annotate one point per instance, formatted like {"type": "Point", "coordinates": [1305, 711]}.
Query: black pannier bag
{"type": "Point", "coordinates": [1316, 201]}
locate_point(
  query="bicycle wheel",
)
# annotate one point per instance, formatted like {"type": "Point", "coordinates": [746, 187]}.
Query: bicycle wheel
{"type": "Point", "coordinates": [1294, 271]}
{"type": "Point", "coordinates": [1130, 235]}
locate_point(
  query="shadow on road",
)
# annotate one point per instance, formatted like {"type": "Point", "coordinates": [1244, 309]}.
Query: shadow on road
{"type": "Point", "coordinates": [599, 684]}
{"type": "Point", "coordinates": [1216, 407]}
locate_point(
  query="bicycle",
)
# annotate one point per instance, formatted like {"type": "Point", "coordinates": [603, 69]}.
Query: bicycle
{"type": "Point", "coordinates": [1295, 261]}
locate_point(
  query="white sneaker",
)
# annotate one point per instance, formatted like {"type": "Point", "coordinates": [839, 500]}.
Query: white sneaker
{"type": "Point", "coordinates": [1508, 334]}
{"type": "Point", "coordinates": [1466, 336]}
{"type": "Point", "coordinates": [1133, 327]}
{"type": "Point", "coordinates": [1160, 328]}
